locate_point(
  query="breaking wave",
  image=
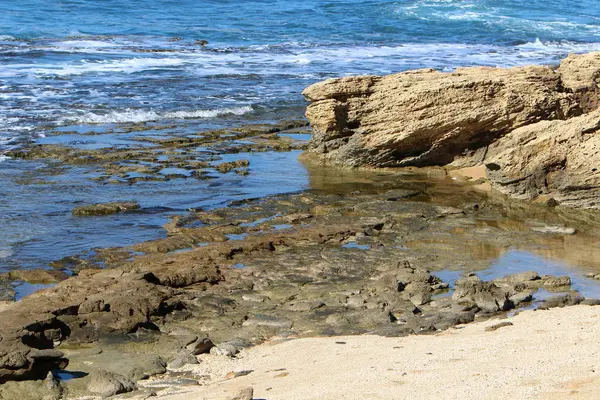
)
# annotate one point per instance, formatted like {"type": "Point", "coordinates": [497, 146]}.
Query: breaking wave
{"type": "Point", "coordinates": [137, 116]}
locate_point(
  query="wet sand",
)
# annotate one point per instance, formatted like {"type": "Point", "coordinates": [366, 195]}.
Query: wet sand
{"type": "Point", "coordinates": [544, 355]}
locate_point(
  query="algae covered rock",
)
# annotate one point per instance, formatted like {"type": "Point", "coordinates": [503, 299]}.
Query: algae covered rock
{"type": "Point", "coordinates": [105, 208]}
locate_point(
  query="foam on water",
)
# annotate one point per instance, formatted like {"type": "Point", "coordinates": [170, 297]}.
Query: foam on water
{"type": "Point", "coordinates": [138, 116]}
{"type": "Point", "coordinates": [127, 66]}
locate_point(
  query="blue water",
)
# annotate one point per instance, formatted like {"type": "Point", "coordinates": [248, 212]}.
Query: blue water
{"type": "Point", "coordinates": [91, 65]}
{"type": "Point", "coordinates": [86, 62]}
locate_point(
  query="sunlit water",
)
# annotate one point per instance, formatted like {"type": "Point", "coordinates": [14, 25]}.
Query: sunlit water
{"type": "Point", "coordinates": [76, 65]}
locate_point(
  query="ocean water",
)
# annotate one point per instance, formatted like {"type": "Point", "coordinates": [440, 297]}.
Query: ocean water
{"type": "Point", "coordinates": [68, 62]}
{"type": "Point", "coordinates": [76, 65]}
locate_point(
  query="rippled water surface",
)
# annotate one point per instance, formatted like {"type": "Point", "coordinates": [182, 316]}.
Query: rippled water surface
{"type": "Point", "coordinates": [81, 65]}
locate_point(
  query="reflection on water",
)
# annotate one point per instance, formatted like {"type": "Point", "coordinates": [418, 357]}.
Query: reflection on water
{"type": "Point", "coordinates": [23, 289]}
{"type": "Point", "coordinates": [493, 234]}
{"type": "Point", "coordinates": [515, 261]}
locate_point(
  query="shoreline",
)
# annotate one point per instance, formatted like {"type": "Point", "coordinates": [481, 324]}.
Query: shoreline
{"type": "Point", "coordinates": [391, 252]}
{"type": "Point", "coordinates": [546, 355]}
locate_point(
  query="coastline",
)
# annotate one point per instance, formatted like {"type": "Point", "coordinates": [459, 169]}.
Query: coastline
{"type": "Point", "coordinates": [403, 253]}
{"type": "Point", "coordinates": [546, 355]}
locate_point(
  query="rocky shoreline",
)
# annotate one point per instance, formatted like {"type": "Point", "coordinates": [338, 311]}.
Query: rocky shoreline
{"type": "Point", "coordinates": [386, 252]}
{"type": "Point", "coordinates": [497, 118]}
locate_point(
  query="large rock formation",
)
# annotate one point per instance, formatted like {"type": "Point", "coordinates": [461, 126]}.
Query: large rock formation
{"type": "Point", "coordinates": [558, 159]}
{"type": "Point", "coordinates": [427, 117]}
{"type": "Point", "coordinates": [525, 124]}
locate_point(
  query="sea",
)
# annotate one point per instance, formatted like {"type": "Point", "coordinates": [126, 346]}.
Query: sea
{"type": "Point", "coordinates": [92, 65]}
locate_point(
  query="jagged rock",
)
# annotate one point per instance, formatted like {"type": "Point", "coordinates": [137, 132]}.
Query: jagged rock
{"type": "Point", "coordinates": [556, 281]}
{"type": "Point", "coordinates": [581, 74]}
{"type": "Point", "coordinates": [486, 295]}
{"type": "Point", "coordinates": [558, 159]}
{"type": "Point", "coordinates": [426, 117]}
{"type": "Point", "coordinates": [521, 277]}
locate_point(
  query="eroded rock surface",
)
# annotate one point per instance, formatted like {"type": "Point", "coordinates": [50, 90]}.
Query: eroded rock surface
{"type": "Point", "coordinates": [427, 117]}
{"type": "Point", "coordinates": [556, 159]}
{"type": "Point", "coordinates": [581, 74]}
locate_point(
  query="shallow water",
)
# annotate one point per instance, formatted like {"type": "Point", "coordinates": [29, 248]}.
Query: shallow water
{"type": "Point", "coordinates": [75, 72]}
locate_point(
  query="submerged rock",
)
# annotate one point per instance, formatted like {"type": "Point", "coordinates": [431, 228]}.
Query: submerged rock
{"type": "Point", "coordinates": [105, 208]}
{"type": "Point", "coordinates": [34, 276]}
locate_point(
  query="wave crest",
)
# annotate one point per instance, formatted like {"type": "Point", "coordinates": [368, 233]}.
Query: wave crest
{"type": "Point", "coordinates": [137, 116]}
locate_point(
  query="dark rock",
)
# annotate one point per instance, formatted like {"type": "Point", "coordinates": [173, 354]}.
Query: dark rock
{"type": "Point", "coordinates": [184, 357]}
{"type": "Point", "coordinates": [201, 346]}
{"type": "Point", "coordinates": [569, 299]}
{"type": "Point", "coordinates": [107, 384]}
{"type": "Point", "coordinates": [498, 326]}
{"type": "Point", "coordinates": [105, 208]}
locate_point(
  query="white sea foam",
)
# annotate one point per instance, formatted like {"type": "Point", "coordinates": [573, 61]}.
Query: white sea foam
{"type": "Point", "coordinates": [127, 66]}
{"type": "Point", "coordinates": [2, 159]}
{"type": "Point", "coordinates": [138, 116]}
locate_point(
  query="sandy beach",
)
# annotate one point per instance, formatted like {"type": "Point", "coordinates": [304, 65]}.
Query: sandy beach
{"type": "Point", "coordinates": [544, 355]}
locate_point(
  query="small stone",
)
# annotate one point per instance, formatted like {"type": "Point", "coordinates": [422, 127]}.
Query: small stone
{"type": "Point", "coordinates": [557, 230]}
{"type": "Point", "coordinates": [498, 326]}
{"type": "Point", "coordinates": [244, 394]}
{"type": "Point", "coordinates": [591, 302]}
{"type": "Point", "coordinates": [201, 346]}
{"type": "Point", "coordinates": [105, 208]}
{"type": "Point", "coordinates": [556, 281]}
{"type": "Point", "coordinates": [521, 297]}
{"type": "Point", "coordinates": [237, 374]}
{"type": "Point", "coordinates": [224, 349]}
{"type": "Point", "coordinates": [182, 359]}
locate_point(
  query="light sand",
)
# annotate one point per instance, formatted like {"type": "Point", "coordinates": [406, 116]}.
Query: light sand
{"type": "Point", "coordinates": [544, 355]}
{"type": "Point", "coordinates": [477, 173]}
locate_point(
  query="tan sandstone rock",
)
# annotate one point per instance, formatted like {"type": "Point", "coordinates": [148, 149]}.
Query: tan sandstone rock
{"type": "Point", "coordinates": [427, 117]}
{"type": "Point", "coordinates": [558, 159]}
{"type": "Point", "coordinates": [581, 74]}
